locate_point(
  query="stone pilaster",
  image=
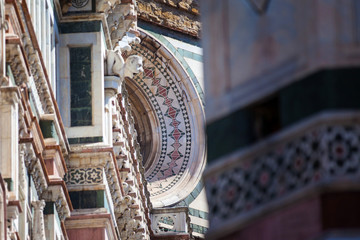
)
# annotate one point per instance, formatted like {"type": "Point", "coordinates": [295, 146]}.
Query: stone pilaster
{"type": "Point", "coordinates": [9, 136]}
{"type": "Point", "coordinates": [38, 227]}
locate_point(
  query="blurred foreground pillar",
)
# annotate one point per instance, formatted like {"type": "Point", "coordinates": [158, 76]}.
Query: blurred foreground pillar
{"type": "Point", "coordinates": [283, 118]}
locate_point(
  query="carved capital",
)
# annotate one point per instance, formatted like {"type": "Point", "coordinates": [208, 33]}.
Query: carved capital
{"type": "Point", "coordinates": [9, 95]}
{"type": "Point", "coordinates": [38, 227]}
{"type": "Point", "coordinates": [38, 205]}
{"type": "Point", "coordinates": [4, 81]}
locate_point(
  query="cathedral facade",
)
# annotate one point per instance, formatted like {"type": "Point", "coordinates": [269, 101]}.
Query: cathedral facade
{"type": "Point", "coordinates": [102, 119]}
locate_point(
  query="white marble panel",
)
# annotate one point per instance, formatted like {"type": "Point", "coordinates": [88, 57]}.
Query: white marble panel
{"type": "Point", "coordinates": [200, 203]}
{"type": "Point", "coordinates": [97, 67]}
{"type": "Point", "coordinates": [179, 44]}
{"type": "Point", "coordinates": [197, 68]}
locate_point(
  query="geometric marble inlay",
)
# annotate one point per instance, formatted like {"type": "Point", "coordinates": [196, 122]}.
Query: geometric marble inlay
{"type": "Point", "coordinates": [170, 92]}
{"type": "Point", "coordinates": [84, 176]}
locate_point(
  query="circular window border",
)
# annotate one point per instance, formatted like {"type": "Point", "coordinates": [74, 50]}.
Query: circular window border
{"type": "Point", "coordinates": [191, 175]}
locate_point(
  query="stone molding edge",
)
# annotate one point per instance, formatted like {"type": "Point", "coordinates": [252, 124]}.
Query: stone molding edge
{"type": "Point", "coordinates": [92, 221]}
{"type": "Point", "coordinates": [29, 52]}
{"type": "Point", "coordinates": [103, 10]}
{"type": "Point", "coordinates": [123, 109]}
{"type": "Point", "coordinates": [58, 193]}
{"type": "Point", "coordinates": [46, 82]}
{"type": "Point", "coordinates": [32, 148]}
{"type": "Point", "coordinates": [154, 12]}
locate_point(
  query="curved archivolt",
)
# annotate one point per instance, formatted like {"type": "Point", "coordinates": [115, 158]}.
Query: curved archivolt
{"type": "Point", "coordinates": [170, 123]}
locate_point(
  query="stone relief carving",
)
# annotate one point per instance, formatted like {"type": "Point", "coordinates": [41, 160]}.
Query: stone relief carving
{"type": "Point", "coordinates": [56, 194]}
{"type": "Point", "coordinates": [133, 65]}
{"type": "Point", "coordinates": [115, 63]}
{"type": "Point", "coordinates": [121, 19]}
{"type": "Point", "coordinates": [130, 205]}
{"type": "Point", "coordinates": [33, 166]}
{"type": "Point", "coordinates": [35, 77]}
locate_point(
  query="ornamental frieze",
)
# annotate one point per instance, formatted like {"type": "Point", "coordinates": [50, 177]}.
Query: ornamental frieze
{"type": "Point", "coordinates": [84, 176]}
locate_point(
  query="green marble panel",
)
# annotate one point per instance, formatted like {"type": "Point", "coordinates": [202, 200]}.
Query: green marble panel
{"type": "Point", "coordinates": [88, 199]}
{"type": "Point", "coordinates": [48, 129]}
{"type": "Point", "coordinates": [85, 140]}
{"type": "Point", "coordinates": [78, 27]}
{"type": "Point", "coordinates": [80, 86]}
{"type": "Point", "coordinates": [10, 184]}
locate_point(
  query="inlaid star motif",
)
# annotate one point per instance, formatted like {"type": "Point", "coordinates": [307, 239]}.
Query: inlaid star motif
{"type": "Point", "coordinates": [94, 175]}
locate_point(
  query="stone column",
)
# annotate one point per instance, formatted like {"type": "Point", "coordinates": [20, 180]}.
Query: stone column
{"type": "Point", "coordinates": [39, 226]}
{"type": "Point", "coordinates": [3, 26]}
{"type": "Point", "coordinates": [112, 85]}
{"type": "Point", "coordinates": [9, 138]}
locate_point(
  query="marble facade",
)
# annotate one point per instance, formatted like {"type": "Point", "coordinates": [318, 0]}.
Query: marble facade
{"type": "Point", "coordinates": [79, 159]}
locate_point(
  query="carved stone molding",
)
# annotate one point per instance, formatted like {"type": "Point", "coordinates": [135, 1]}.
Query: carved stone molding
{"type": "Point", "coordinates": [55, 193]}
{"type": "Point", "coordinates": [181, 16]}
{"type": "Point", "coordinates": [42, 87]}
{"type": "Point", "coordinates": [134, 207]}
{"type": "Point", "coordinates": [9, 95]}
{"type": "Point", "coordinates": [94, 170]}
{"type": "Point", "coordinates": [121, 19]}
{"type": "Point", "coordinates": [13, 211]}
{"type": "Point", "coordinates": [17, 64]}
{"type": "Point", "coordinates": [34, 168]}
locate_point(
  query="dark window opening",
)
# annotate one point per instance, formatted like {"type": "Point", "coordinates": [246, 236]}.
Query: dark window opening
{"type": "Point", "coordinates": [266, 118]}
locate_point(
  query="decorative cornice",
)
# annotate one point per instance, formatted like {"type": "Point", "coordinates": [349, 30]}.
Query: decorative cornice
{"type": "Point", "coordinates": [181, 16]}
{"type": "Point", "coordinates": [58, 193]}
{"type": "Point", "coordinates": [33, 165]}
{"type": "Point", "coordinates": [93, 220]}
{"type": "Point", "coordinates": [33, 55]}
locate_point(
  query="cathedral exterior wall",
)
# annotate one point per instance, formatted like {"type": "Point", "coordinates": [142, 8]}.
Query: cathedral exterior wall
{"type": "Point", "coordinates": [280, 105]}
